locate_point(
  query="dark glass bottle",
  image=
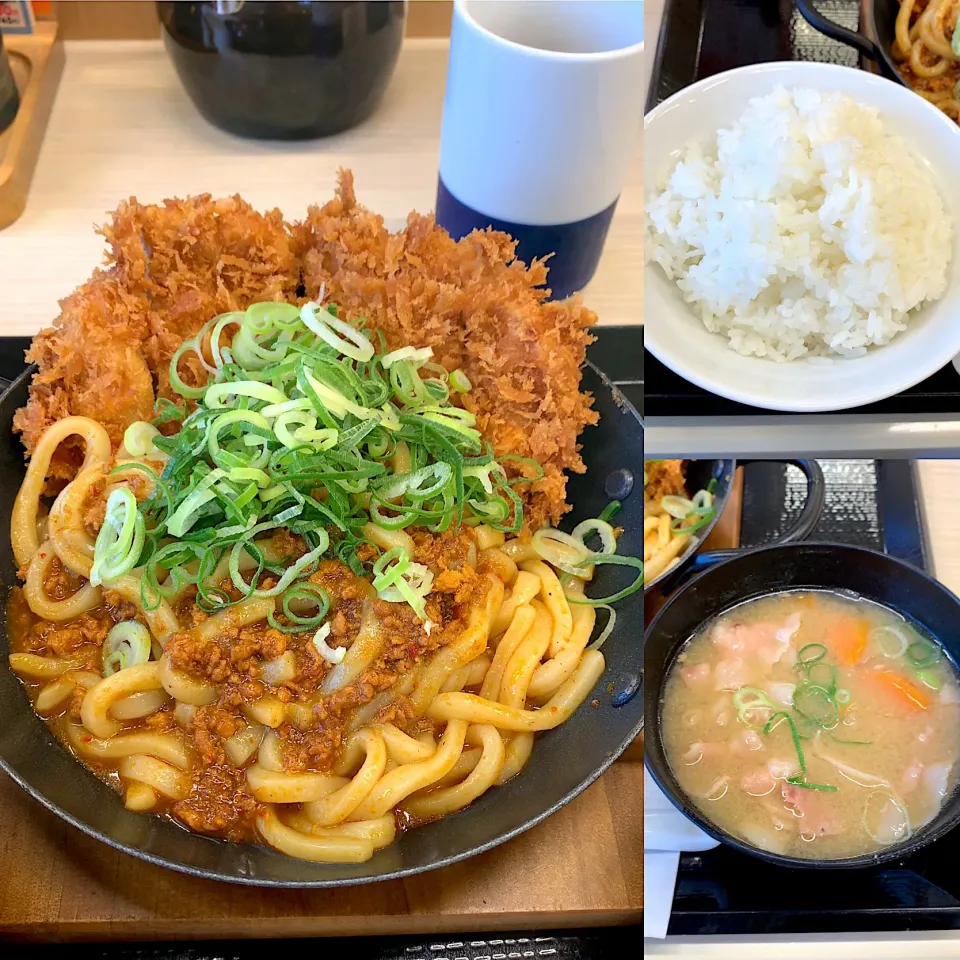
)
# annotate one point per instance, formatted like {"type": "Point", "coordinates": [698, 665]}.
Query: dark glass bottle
{"type": "Point", "coordinates": [9, 97]}
{"type": "Point", "coordinates": [284, 70]}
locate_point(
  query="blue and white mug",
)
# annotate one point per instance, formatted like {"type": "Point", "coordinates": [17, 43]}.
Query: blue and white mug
{"type": "Point", "coordinates": [542, 115]}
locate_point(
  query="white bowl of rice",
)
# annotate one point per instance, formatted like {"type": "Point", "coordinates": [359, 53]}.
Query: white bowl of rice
{"type": "Point", "coordinates": [807, 256]}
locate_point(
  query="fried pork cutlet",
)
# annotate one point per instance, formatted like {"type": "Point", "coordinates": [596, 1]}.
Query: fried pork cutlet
{"type": "Point", "coordinates": [172, 267]}
{"type": "Point", "coordinates": [90, 364]}
{"type": "Point", "coordinates": [479, 309]}
{"type": "Point", "coordinates": [664, 478]}
{"type": "Point", "coordinates": [193, 259]}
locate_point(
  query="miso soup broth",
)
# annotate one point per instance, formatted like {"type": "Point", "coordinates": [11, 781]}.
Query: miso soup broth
{"type": "Point", "coordinates": [813, 724]}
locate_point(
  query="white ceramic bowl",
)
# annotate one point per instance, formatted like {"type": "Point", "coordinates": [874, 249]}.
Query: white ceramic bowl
{"type": "Point", "coordinates": [677, 337]}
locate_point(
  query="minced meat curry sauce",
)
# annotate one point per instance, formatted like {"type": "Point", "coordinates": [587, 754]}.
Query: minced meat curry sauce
{"type": "Point", "coordinates": [219, 802]}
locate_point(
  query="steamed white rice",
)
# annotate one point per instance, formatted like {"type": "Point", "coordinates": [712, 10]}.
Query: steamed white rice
{"type": "Point", "coordinates": [805, 229]}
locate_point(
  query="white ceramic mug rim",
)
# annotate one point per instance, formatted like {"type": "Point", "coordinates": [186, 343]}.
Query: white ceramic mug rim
{"type": "Point", "coordinates": [619, 53]}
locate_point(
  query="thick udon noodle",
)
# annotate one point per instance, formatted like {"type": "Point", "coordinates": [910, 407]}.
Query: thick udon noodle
{"type": "Point", "coordinates": [928, 52]}
{"type": "Point", "coordinates": [670, 518]}
{"type": "Point", "coordinates": [877, 737]}
{"type": "Point", "coordinates": [517, 664]}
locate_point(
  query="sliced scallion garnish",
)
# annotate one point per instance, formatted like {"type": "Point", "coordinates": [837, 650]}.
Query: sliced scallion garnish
{"type": "Point", "coordinates": [617, 560]}
{"type": "Point", "coordinates": [806, 785]}
{"type": "Point", "coordinates": [775, 721]}
{"type": "Point", "coordinates": [811, 653]}
{"type": "Point", "coordinates": [922, 654]}
{"type": "Point", "coordinates": [929, 679]}
{"type": "Point", "coordinates": [610, 511]}
{"type": "Point", "coordinates": [295, 428]}
{"type": "Point", "coordinates": [127, 643]}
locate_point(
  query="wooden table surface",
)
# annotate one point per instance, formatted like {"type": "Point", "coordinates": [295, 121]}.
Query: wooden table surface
{"type": "Point", "coordinates": [582, 867]}
{"type": "Point", "coordinates": [123, 126]}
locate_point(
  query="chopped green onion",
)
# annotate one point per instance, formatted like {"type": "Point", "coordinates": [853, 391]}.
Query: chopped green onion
{"type": "Point", "coordinates": [407, 353]}
{"type": "Point", "coordinates": [460, 381]}
{"type": "Point", "coordinates": [292, 420]}
{"type": "Point", "coordinates": [598, 559]}
{"type": "Point", "coordinates": [127, 643]}
{"type": "Point", "coordinates": [891, 640]}
{"type": "Point", "coordinates": [138, 438]}
{"type": "Point", "coordinates": [851, 743]}
{"type": "Point", "coordinates": [775, 722]}
{"type": "Point", "coordinates": [702, 502]}
{"type": "Point", "coordinates": [561, 550]}
{"type": "Point", "coordinates": [608, 628]}
{"type": "Point", "coordinates": [524, 462]}
{"type": "Point", "coordinates": [682, 526]}
{"type": "Point", "coordinates": [610, 511]}
{"type": "Point", "coordinates": [750, 699]}
{"type": "Point", "coordinates": [806, 785]}
{"type": "Point", "coordinates": [120, 540]}
{"type": "Point", "coordinates": [397, 580]}
{"type": "Point", "coordinates": [955, 42]}
{"type": "Point", "coordinates": [755, 695]}
{"type": "Point", "coordinates": [326, 326]}
{"type": "Point", "coordinates": [678, 507]}
{"type": "Point", "coordinates": [811, 653]}
{"type": "Point", "coordinates": [924, 654]}
{"type": "Point", "coordinates": [602, 529]}
{"type": "Point", "coordinates": [929, 679]}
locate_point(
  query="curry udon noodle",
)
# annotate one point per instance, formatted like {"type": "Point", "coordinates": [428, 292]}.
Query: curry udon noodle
{"type": "Point", "coordinates": [813, 724]}
{"type": "Point", "coordinates": [670, 517]}
{"type": "Point", "coordinates": [927, 45]}
{"type": "Point", "coordinates": [303, 615]}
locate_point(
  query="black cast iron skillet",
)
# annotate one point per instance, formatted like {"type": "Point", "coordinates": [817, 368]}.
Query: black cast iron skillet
{"type": "Point", "coordinates": [698, 476]}
{"type": "Point", "coordinates": [564, 762]}
{"type": "Point", "coordinates": [880, 16]}
{"type": "Point", "coordinates": [830, 566]}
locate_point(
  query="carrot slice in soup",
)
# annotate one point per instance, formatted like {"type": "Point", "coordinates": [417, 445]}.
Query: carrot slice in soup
{"type": "Point", "coordinates": [903, 691]}
{"type": "Point", "coordinates": [847, 639]}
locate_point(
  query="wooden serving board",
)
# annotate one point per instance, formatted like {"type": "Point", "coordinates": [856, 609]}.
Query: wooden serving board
{"type": "Point", "coordinates": [37, 63]}
{"type": "Point", "coordinates": [582, 867]}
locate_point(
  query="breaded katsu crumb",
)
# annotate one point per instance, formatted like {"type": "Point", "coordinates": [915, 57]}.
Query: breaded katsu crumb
{"type": "Point", "coordinates": [171, 267]}
{"type": "Point", "coordinates": [481, 310]}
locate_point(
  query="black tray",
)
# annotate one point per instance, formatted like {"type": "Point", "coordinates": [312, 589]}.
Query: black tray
{"type": "Point", "coordinates": [871, 503]}
{"type": "Point", "coordinates": [699, 38]}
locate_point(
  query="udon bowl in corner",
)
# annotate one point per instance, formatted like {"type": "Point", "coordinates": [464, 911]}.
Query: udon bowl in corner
{"type": "Point", "coordinates": [677, 335]}
{"type": "Point", "coordinates": [856, 739]}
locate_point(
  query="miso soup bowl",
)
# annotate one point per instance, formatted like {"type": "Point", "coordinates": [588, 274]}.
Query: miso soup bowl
{"type": "Point", "coordinates": [759, 573]}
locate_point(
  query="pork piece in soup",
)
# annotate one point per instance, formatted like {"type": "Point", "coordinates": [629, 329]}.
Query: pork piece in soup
{"type": "Point", "coordinates": [813, 724]}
